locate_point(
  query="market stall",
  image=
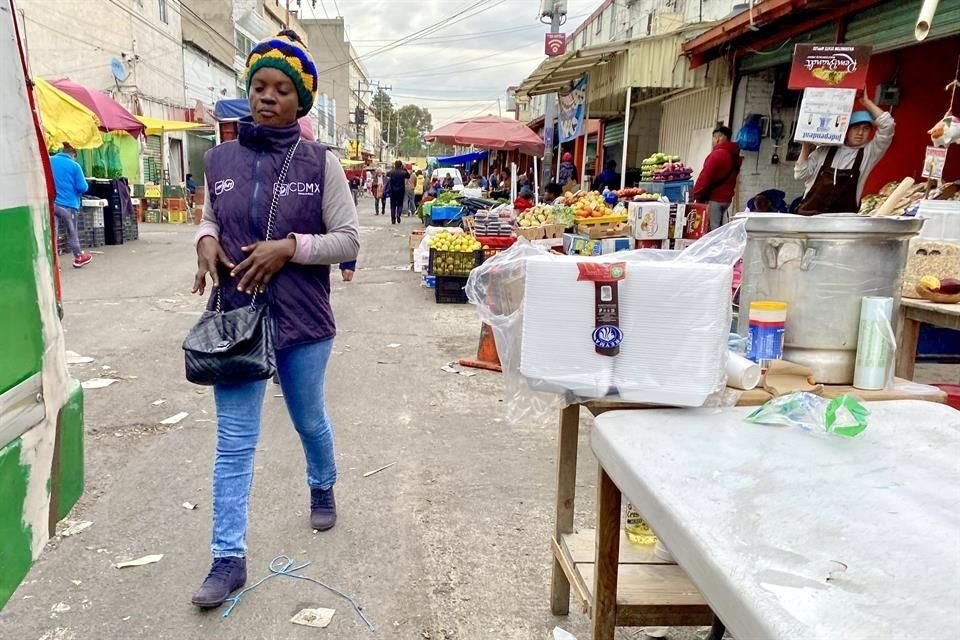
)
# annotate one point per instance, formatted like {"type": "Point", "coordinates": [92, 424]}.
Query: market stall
{"type": "Point", "coordinates": [64, 119]}
{"type": "Point", "coordinates": [812, 348]}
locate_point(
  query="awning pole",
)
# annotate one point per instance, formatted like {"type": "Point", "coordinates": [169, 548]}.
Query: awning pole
{"type": "Point", "coordinates": [586, 134]}
{"type": "Point", "coordinates": [626, 139]}
{"type": "Point", "coordinates": [536, 182]}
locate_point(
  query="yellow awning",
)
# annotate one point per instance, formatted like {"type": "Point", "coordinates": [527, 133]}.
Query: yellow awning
{"type": "Point", "coordinates": [157, 126]}
{"type": "Point", "coordinates": [64, 119]}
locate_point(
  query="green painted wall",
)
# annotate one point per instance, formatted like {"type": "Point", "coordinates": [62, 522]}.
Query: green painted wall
{"type": "Point", "coordinates": [15, 536]}
{"type": "Point", "coordinates": [69, 476]}
{"type": "Point", "coordinates": [21, 350]}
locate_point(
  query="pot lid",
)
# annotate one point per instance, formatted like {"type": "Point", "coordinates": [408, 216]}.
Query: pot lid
{"type": "Point", "coordinates": [831, 223]}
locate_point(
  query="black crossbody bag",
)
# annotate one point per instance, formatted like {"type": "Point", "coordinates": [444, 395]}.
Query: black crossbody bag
{"type": "Point", "coordinates": [230, 347]}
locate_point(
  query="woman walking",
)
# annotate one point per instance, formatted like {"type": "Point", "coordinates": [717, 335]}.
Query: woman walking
{"type": "Point", "coordinates": [278, 243]}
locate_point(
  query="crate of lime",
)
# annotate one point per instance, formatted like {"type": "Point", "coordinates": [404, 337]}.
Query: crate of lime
{"type": "Point", "coordinates": [454, 255]}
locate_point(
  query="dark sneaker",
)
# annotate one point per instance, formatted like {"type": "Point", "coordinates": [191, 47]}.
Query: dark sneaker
{"type": "Point", "coordinates": [323, 509]}
{"type": "Point", "coordinates": [226, 575]}
{"type": "Point", "coordinates": [82, 260]}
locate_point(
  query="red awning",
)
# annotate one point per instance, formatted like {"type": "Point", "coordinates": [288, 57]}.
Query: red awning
{"type": "Point", "coordinates": [489, 132]}
{"type": "Point", "coordinates": [768, 23]}
{"type": "Point", "coordinates": [113, 116]}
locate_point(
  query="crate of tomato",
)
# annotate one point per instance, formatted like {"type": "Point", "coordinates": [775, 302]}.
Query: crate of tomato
{"type": "Point", "coordinates": [492, 245]}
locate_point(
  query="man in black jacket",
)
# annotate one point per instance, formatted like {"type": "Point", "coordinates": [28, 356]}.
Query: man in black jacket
{"type": "Point", "coordinates": [397, 189]}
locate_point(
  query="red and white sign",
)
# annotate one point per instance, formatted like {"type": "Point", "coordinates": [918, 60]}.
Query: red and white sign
{"type": "Point", "coordinates": [555, 44]}
{"type": "Point", "coordinates": [829, 66]}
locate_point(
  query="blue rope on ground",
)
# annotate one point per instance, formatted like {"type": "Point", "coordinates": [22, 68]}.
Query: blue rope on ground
{"type": "Point", "coordinates": [283, 566]}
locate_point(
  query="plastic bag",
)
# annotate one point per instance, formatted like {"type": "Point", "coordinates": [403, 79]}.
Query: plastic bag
{"type": "Point", "coordinates": [842, 416]}
{"type": "Point", "coordinates": [676, 305]}
{"type": "Point", "coordinates": [749, 136]}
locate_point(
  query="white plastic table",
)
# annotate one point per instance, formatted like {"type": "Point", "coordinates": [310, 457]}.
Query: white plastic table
{"type": "Point", "coordinates": [788, 534]}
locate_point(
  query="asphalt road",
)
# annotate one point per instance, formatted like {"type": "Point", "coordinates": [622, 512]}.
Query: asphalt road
{"type": "Point", "coordinates": [452, 542]}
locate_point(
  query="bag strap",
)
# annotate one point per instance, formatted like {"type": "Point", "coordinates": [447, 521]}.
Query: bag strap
{"type": "Point", "coordinates": [272, 216]}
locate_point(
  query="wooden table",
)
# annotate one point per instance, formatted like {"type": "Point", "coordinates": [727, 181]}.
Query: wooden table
{"type": "Point", "coordinates": [774, 554]}
{"type": "Point", "coordinates": [650, 592]}
{"type": "Point", "coordinates": [913, 313]}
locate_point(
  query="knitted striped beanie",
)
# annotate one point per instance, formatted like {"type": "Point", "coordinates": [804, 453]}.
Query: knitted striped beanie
{"type": "Point", "coordinates": [286, 52]}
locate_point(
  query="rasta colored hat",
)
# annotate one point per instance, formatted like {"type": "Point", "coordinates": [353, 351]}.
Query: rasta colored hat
{"type": "Point", "coordinates": [287, 53]}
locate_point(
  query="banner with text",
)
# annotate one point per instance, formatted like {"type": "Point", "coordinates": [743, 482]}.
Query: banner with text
{"type": "Point", "coordinates": [824, 116]}
{"type": "Point", "coordinates": [573, 107]}
{"type": "Point", "coordinates": [829, 66]}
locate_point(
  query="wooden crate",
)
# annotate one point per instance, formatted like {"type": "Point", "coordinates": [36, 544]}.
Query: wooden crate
{"type": "Point", "coordinates": [605, 230]}
{"type": "Point", "coordinates": [530, 233]}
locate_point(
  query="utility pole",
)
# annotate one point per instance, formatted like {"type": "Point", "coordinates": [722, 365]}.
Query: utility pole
{"type": "Point", "coordinates": [556, 12]}
{"type": "Point", "coordinates": [380, 115]}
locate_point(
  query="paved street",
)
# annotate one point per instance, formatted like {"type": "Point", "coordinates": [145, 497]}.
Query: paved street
{"type": "Point", "coordinates": [450, 542]}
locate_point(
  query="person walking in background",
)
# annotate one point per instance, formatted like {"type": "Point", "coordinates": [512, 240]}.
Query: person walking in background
{"type": "Point", "coordinates": [411, 185]}
{"type": "Point", "coordinates": [397, 190]}
{"type": "Point", "coordinates": [312, 230]}
{"type": "Point", "coordinates": [379, 203]}
{"type": "Point", "coordinates": [191, 189]}
{"type": "Point", "coordinates": [70, 185]}
{"type": "Point", "coordinates": [717, 182]}
{"type": "Point", "coordinates": [569, 175]}
{"type": "Point", "coordinates": [418, 190]}
{"type": "Point", "coordinates": [355, 188]}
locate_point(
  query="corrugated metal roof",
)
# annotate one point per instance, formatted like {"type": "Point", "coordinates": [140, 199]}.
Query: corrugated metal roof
{"type": "Point", "coordinates": [653, 63]}
{"type": "Point", "coordinates": [890, 25]}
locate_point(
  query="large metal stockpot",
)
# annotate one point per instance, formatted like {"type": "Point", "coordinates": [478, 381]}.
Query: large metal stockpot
{"type": "Point", "coordinates": [822, 267]}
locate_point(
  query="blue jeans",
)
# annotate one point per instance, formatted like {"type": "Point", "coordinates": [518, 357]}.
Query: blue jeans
{"type": "Point", "coordinates": [301, 372]}
{"type": "Point", "coordinates": [68, 217]}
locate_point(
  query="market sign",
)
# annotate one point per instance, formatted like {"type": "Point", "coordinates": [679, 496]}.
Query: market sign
{"type": "Point", "coordinates": [825, 116]}
{"type": "Point", "coordinates": [555, 44]}
{"type": "Point", "coordinates": [829, 66]}
{"type": "Point", "coordinates": [933, 162]}
{"type": "Point", "coordinates": [573, 107]}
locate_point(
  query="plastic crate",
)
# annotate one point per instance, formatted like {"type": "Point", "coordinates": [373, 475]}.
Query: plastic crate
{"type": "Point", "coordinates": [440, 215]}
{"type": "Point", "coordinates": [677, 190]}
{"type": "Point", "coordinates": [450, 290]}
{"type": "Point", "coordinates": [453, 263]}
{"type": "Point", "coordinates": [177, 217]}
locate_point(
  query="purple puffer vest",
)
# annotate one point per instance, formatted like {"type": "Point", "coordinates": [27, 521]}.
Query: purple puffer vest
{"type": "Point", "coordinates": [240, 180]}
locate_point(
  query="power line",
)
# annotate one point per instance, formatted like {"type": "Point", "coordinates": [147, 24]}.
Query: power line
{"type": "Point", "coordinates": [458, 71]}
{"type": "Point", "coordinates": [433, 28]}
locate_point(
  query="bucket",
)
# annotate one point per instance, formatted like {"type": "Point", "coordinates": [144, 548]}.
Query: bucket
{"type": "Point", "coordinates": [822, 267]}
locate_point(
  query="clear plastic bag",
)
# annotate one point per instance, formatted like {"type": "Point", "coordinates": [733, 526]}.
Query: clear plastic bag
{"type": "Point", "coordinates": [842, 416]}
{"type": "Point", "coordinates": [674, 317]}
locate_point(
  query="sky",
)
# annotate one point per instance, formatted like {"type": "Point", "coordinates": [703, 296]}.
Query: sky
{"type": "Point", "coordinates": [453, 71]}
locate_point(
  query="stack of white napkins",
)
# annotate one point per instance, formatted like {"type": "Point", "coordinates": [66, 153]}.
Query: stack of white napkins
{"type": "Point", "coordinates": [675, 321]}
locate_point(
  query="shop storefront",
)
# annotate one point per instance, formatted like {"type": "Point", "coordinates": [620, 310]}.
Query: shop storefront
{"type": "Point", "coordinates": [906, 77]}
{"type": "Point", "coordinates": [635, 97]}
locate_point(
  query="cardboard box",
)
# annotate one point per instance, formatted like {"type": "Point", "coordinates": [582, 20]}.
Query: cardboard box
{"type": "Point", "coordinates": [530, 233]}
{"type": "Point", "coordinates": [697, 221]}
{"type": "Point", "coordinates": [415, 238]}
{"type": "Point", "coordinates": [650, 220]}
{"type": "Point", "coordinates": [576, 245]}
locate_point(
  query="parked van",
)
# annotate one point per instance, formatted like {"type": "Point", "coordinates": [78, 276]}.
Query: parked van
{"type": "Point", "coordinates": [41, 406]}
{"type": "Point", "coordinates": [442, 172]}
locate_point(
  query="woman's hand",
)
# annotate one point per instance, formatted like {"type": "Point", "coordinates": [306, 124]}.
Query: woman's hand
{"type": "Point", "coordinates": [265, 259]}
{"type": "Point", "coordinates": [209, 256]}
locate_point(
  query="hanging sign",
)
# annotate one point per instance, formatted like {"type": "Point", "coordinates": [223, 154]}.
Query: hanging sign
{"type": "Point", "coordinates": [554, 44]}
{"type": "Point", "coordinates": [573, 107]}
{"type": "Point", "coordinates": [829, 66]}
{"type": "Point", "coordinates": [933, 162]}
{"type": "Point", "coordinates": [824, 116]}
